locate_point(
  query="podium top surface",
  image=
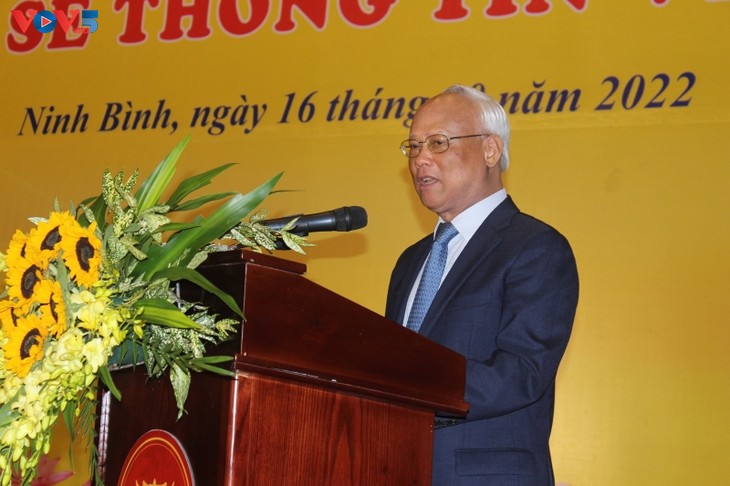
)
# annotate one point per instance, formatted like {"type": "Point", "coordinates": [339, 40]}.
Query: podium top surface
{"type": "Point", "coordinates": [298, 329]}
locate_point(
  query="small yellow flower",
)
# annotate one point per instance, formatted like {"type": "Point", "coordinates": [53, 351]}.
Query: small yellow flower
{"type": "Point", "coordinates": [90, 311]}
{"type": "Point", "coordinates": [68, 353]}
{"type": "Point", "coordinates": [96, 354]}
{"type": "Point", "coordinates": [9, 386]}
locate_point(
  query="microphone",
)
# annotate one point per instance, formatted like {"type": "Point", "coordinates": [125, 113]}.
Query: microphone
{"type": "Point", "coordinates": [346, 218]}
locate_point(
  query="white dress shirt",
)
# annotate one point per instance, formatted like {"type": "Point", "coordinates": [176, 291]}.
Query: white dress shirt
{"type": "Point", "coordinates": [466, 223]}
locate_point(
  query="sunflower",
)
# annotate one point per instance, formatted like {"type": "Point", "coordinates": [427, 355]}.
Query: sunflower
{"type": "Point", "coordinates": [7, 314]}
{"type": "Point", "coordinates": [17, 246]}
{"type": "Point", "coordinates": [23, 280]}
{"type": "Point", "coordinates": [45, 237]}
{"type": "Point", "coordinates": [24, 345]}
{"type": "Point", "coordinates": [52, 306]}
{"type": "Point", "coordinates": [81, 253]}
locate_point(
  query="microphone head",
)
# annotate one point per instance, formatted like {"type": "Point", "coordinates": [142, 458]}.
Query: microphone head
{"type": "Point", "coordinates": [350, 218]}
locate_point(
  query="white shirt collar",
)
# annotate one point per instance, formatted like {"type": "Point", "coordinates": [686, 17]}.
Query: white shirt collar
{"type": "Point", "coordinates": [468, 221]}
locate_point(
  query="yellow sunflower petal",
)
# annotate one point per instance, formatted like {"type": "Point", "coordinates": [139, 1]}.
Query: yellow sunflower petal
{"type": "Point", "coordinates": [17, 246]}
{"type": "Point", "coordinates": [81, 253]}
{"type": "Point", "coordinates": [24, 346]}
{"type": "Point", "coordinates": [45, 237]}
{"type": "Point", "coordinates": [7, 314]}
{"type": "Point", "coordinates": [23, 282]}
{"type": "Point", "coordinates": [52, 306]}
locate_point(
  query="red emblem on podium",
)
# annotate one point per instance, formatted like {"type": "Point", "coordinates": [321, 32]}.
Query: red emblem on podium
{"type": "Point", "coordinates": [156, 459]}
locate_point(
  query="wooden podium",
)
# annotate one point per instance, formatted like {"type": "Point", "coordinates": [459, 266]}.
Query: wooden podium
{"type": "Point", "coordinates": [326, 392]}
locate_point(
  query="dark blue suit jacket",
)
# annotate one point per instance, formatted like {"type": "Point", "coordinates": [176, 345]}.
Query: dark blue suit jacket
{"type": "Point", "coordinates": [507, 305]}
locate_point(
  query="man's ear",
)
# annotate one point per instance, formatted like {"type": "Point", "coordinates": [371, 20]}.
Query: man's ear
{"type": "Point", "coordinates": [493, 147]}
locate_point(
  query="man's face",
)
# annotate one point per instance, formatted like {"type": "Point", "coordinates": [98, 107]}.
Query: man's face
{"type": "Point", "coordinates": [451, 181]}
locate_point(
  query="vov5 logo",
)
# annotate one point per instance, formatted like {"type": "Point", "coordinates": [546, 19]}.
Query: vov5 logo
{"type": "Point", "coordinates": [45, 21]}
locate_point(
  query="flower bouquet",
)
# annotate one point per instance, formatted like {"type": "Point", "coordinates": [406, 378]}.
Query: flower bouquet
{"type": "Point", "coordinates": [93, 286]}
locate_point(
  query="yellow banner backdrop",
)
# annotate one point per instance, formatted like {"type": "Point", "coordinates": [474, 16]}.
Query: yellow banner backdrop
{"type": "Point", "coordinates": [620, 117]}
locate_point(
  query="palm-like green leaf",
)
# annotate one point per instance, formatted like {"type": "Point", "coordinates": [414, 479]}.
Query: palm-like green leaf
{"type": "Point", "coordinates": [154, 186]}
{"type": "Point", "coordinates": [177, 226]}
{"type": "Point", "coordinates": [194, 183]}
{"type": "Point", "coordinates": [184, 273]}
{"type": "Point", "coordinates": [209, 229]}
{"type": "Point", "coordinates": [196, 203]}
{"type": "Point", "coordinates": [164, 313]}
{"type": "Point", "coordinates": [106, 378]}
{"type": "Point", "coordinates": [209, 363]}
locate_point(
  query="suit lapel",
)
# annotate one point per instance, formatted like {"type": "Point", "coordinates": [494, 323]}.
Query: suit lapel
{"type": "Point", "coordinates": [484, 241]}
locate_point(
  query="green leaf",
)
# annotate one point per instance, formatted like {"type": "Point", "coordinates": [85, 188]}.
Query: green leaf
{"type": "Point", "coordinates": [208, 363]}
{"type": "Point", "coordinates": [131, 246]}
{"type": "Point", "coordinates": [194, 183]}
{"type": "Point", "coordinates": [68, 419]}
{"type": "Point", "coordinates": [106, 378]}
{"type": "Point", "coordinates": [164, 313]}
{"type": "Point", "coordinates": [191, 275]}
{"type": "Point", "coordinates": [294, 242]}
{"type": "Point", "coordinates": [154, 186]}
{"type": "Point", "coordinates": [180, 379]}
{"type": "Point", "coordinates": [177, 226]}
{"type": "Point", "coordinates": [97, 209]}
{"type": "Point", "coordinates": [6, 413]}
{"type": "Point", "coordinates": [196, 203]}
{"type": "Point", "coordinates": [213, 359]}
{"type": "Point", "coordinates": [210, 229]}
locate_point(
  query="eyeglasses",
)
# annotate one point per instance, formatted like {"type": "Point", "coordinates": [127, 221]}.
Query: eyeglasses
{"type": "Point", "coordinates": [436, 143]}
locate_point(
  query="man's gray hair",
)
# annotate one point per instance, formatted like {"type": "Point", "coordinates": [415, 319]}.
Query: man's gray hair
{"type": "Point", "coordinates": [494, 118]}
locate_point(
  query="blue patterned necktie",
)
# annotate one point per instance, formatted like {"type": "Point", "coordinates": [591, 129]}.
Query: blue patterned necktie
{"type": "Point", "coordinates": [432, 273]}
